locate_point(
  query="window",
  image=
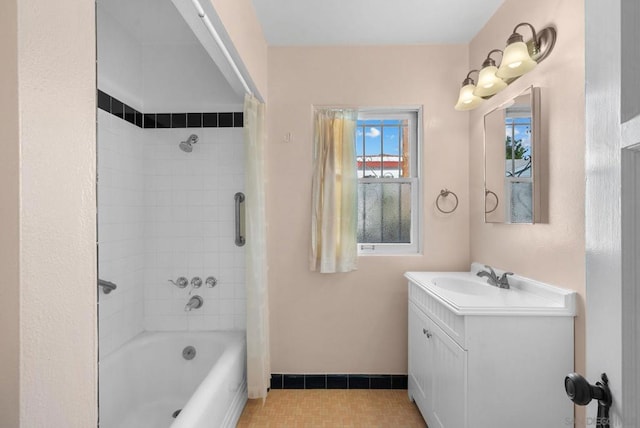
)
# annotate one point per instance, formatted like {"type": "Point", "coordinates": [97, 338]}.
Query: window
{"type": "Point", "coordinates": [387, 157]}
{"type": "Point", "coordinates": [518, 180]}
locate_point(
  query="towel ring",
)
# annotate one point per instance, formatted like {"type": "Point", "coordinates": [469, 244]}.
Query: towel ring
{"type": "Point", "coordinates": [443, 194]}
{"type": "Point", "coordinates": [487, 192]}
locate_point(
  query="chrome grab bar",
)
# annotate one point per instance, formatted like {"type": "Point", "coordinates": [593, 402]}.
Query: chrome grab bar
{"type": "Point", "coordinates": [107, 286]}
{"type": "Point", "coordinates": [240, 240]}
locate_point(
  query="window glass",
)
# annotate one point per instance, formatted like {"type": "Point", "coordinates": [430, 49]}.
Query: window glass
{"type": "Point", "coordinates": [386, 153]}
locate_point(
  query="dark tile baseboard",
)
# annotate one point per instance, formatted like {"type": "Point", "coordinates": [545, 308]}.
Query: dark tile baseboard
{"type": "Point", "coordinates": [168, 120]}
{"type": "Point", "coordinates": [338, 381]}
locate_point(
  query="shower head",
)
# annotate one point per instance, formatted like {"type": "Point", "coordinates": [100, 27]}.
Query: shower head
{"type": "Point", "coordinates": [187, 146]}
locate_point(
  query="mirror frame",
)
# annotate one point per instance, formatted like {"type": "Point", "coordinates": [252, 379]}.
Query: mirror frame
{"type": "Point", "coordinates": [490, 197]}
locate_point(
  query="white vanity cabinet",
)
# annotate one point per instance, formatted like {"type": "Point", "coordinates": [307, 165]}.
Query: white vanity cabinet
{"type": "Point", "coordinates": [489, 366]}
{"type": "Point", "coordinates": [436, 363]}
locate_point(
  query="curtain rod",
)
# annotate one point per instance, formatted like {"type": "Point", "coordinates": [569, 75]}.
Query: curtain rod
{"type": "Point", "coordinates": [223, 48]}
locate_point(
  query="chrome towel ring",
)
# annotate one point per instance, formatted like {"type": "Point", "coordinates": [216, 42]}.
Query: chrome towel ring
{"type": "Point", "coordinates": [443, 194]}
{"type": "Point", "coordinates": [486, 193]}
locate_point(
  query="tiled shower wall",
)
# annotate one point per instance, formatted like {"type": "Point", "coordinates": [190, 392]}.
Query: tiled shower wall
{"type": "Point", "coordinates": [189, 228]}
{"type": "Point", "coordinates": [121, 226]}
{"type": "Point", "coordinates": [164, 213]}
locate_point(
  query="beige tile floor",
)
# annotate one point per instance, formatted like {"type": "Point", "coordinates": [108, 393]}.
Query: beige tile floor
{"type": "Point", "coordinates": [330, 408]}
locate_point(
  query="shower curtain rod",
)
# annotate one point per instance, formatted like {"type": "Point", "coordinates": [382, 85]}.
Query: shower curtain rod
{"type": "Point", "coordinates": [223, 48]}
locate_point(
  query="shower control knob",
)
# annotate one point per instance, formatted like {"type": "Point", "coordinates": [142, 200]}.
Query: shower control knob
{"type": "Point", "coordinates": [196, 282]}
{"type": "Point", "coordinates": [182, 282]}
{"type": "Point", "coordinates": [211, 281]}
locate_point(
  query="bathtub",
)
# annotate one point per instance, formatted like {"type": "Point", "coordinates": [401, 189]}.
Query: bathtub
{"type": "Point", "coordinates": [147, 380]}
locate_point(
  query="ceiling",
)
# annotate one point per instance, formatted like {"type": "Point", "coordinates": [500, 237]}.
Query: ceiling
{"type": "Point", "coordinates": [372, 22]}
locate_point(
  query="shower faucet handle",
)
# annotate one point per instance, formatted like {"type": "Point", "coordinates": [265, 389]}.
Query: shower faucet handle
{"type": "Point", "coordinates": [196, 282]}
{"type": "Point", "coordinates": [211, 281]}
{"type": "Point", "coordinates": [182, 282]}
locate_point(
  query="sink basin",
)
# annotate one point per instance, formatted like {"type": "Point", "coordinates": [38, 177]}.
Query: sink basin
{"type": "Point", "coordinates": [465, 293]}
{"type": "Point", "coordinates": [465, 286]}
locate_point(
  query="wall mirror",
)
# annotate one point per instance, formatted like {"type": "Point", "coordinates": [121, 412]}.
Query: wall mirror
{"type": "Point", "coordinates": [512, 160]}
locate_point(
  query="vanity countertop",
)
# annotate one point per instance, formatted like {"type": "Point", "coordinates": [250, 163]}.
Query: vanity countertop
{"type": "Point", "coordinates": [464, 293]}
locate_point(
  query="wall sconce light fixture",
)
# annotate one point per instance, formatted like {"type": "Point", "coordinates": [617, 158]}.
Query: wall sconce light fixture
{"type": "Point", "coordinates": [467, 100]}
{"type": "Point", "coordinates": [518, 58]}
{"type": "Point", "coordinates": [488, 81]}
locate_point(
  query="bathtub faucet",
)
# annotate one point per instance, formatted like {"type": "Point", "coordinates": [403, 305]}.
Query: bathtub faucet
{"type": "Point", "coordinates": [194, 302]}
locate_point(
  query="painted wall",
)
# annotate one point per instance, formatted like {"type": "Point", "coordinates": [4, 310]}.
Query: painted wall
{"type": "Point", "coordinates": [554, 251]}
{"type": "Point", "coordinates": [241, 23]}
{"type": "Point", "coordinates": [119, 59]}
{"type": "Point", "coordinates": [157, 73]}
{"type": "Point", "coordinates": [181, 77]}
{"type": "Point", "coordinates": [9, 218]}
{"type": "Point", "coordinates": [55, 57]}
{"type": "Point", "coordinates": [357, 322]}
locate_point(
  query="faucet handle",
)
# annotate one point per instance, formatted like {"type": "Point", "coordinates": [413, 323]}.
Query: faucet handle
{"type": "Point", "coordinates": [503, 282]}
{"type": "Point", "coordinates": [182, 282]}
{"type": "Point", "coordinates": [196, 282]}
{"type": "Point", "coordinates": [493, 273]}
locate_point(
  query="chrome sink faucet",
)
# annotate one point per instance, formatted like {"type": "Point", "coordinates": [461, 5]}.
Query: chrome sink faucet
{"type": "Point", "coordinates": [493, 279]}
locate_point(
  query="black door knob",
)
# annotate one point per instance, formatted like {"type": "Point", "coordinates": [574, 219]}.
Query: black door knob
{"type": "Point", "coordinates": [581, 392]}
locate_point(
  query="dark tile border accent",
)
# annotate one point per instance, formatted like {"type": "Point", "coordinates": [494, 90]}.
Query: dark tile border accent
{"type": "Point", "coordinates": [293, 382]}
{"type": "Point", "coordinates": [277, 381]}
{"type": "Point", "coordinates": [338, 381]}
{"type": "Point", "coordinates": [225, 120]}
{"type": "Point", "coordinates": [210, 120]}
{"type": "Point", "coordinates": [168, 120]}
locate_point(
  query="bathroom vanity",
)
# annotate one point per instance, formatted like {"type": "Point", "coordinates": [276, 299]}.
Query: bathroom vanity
{"type": "Point", "coordinates": [486, 357]}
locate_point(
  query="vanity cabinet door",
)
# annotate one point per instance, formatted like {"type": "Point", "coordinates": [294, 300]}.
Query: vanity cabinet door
{"type": "Point", "coordinates": [420, 364]}
{"type": "Point", "coordinates": [437, 372]}
{"type": "Point", "coordinates": [449, 381]}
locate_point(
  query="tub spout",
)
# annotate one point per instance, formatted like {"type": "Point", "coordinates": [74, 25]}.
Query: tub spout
{"type": "Point", "coordinates": [194, 302]}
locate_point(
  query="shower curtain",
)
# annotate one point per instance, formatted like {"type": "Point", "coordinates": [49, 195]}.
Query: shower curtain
{"type": "Point", "coordinates": [258, 362]}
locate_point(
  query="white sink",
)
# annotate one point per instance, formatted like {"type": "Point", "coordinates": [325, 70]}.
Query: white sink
{"type": "Point", "coordinates": [465, 286]}
{"type": "Point", "coordinates": [465, 293]}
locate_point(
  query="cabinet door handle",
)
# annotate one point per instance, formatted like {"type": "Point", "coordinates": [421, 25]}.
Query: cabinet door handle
{"type": "Point", "coordinates": [427, 333]}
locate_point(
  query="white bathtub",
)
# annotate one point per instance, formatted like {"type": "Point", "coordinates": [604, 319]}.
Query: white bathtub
{"type": "Point", "coordinates": [143, 383]}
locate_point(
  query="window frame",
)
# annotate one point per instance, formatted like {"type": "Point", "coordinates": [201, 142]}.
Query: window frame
{"type": "Point", "coordinates": [413, 114]}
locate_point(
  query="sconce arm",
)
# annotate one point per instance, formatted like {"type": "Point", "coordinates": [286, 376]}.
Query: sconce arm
{"type": "Point", "coordinates": [468, 79]}
{"type": "Point", "coordinates": [490, 61]}
{"type": "Point", "coordinates": [533, 31]}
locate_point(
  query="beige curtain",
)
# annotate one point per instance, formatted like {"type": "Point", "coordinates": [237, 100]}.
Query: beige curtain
{"type": "Point", "coordinates": [335, 192]}
{"type": "Point", "coordinates": [258, 363]}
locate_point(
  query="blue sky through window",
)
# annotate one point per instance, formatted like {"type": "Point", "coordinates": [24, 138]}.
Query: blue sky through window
{"type": "Point", "coordinates": [376, 137]}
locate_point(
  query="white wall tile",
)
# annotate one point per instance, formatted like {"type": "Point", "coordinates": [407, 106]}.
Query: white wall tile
{"type": "Point", "coordinates": [163, 214]}
{"type": "Point", "coordinates": [185, 229]}
{"type": "Point", "coordinates": [120, 225]}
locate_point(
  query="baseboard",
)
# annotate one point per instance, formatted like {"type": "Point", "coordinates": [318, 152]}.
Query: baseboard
{"type": "Point", "coordinates": [338, 381]}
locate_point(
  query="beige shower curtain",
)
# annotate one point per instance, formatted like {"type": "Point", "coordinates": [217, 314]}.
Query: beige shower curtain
{"type": "Point", "coordinates": [335, 192]}
{"type": "Point", "coordinates": [258, 362]}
